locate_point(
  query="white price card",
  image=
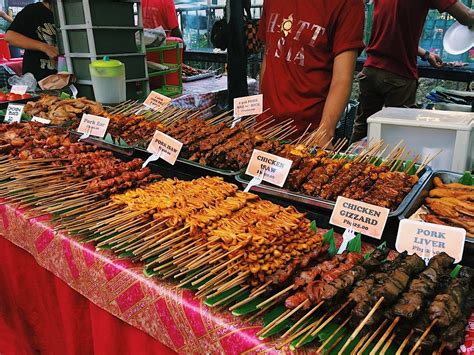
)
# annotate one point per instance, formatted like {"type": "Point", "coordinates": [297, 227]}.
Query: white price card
{"type": "Point", "coordinates": [40, 120]}
{"type": "Point", "coordinates": [269, 167]}
{"type": "Point", "coordinates": [14, 112]}
{"type": "Point", "coordinates": [92, 125]}
{"type": "Point", "coordinates": [157, 102]}
{"type": "Point", "coordinates": [19, 89]}
{"type": "Point", "coordinates": [248, 105]}
{"type": "Point", "coordinates": [361, 217]}
{"type": "Point", "coordinates": [165, 147]}
{"type": "Point", "coordinates": [428, 239]}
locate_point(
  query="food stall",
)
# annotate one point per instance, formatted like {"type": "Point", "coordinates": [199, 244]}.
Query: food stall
{"type": "Point", "coordinates": [175, 256]}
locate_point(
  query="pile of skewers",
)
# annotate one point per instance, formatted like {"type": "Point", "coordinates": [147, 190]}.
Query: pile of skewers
{"type": "Point", "coordinates": [366, 177]}
{"type": "Point", "coordinates": [217, 142]}
{"type": "Point", "coordinates": [237, 249]}
{"type": "Point", "coordinates": [61, 112]}
{"type": "Point", "coordinates": [399, 303]}
{"type": "Point", "coordinates": [451, 204]}
{"type": "Point", "coordinates": [44, 167]}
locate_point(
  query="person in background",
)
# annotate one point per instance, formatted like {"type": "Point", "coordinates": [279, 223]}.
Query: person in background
{"type": "Point", "coordinates": [6, 20]}
{"type": "Point", "coordinates": [390, 75]}
{"type": "Point", "coordinates": [311, 49]}
{"type": "Point", "coordinates": [33, 29]}
{"type": "Point", "coordinates": [158, 13]}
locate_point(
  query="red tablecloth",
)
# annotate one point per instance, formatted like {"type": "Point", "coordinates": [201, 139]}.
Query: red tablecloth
{"type": "Point", "coordinates": [52, 317]}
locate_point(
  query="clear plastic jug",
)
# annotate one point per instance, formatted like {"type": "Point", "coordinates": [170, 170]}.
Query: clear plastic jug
{"type": "Point", "coordinates": [108, 80]}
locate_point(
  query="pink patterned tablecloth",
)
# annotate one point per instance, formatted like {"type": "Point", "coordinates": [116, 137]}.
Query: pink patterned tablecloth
{"type": "Point", "coordinates": [170, 315]}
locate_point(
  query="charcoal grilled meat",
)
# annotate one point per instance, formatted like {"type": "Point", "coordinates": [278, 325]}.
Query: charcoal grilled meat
{"type": "Point", "coordinates": [423, 287]}
{"type": "Point", "coordinates": [448, 307]}
{"type": "Point", "coordinates": [398, 279]}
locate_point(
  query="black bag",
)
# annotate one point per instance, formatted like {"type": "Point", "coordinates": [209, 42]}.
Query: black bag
{"type": "Point", "coordinates": [220, 34]}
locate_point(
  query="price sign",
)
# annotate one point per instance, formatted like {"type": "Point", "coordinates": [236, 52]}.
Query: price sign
{"type": "Point", "coordinates": [14, 112]}
{"type": "Point", "coordinates": [248, 105]}
{"type": "Point", "coordinates": [157, 101]}
{"type": "Point", "coordinates": [40, 120]}
{"type": "Point", "coordinates": [165, 147]}
{"type": "Point", "coordinates": [430, 239]}
{"type": "Point", "coordinates": [92, 125]}
{"type": "Point", "coordinates": [269, 167]}
{"type": "Point", "coordinates": [364, 218]}
{"type": "Point", "coordinates": [19, 89]}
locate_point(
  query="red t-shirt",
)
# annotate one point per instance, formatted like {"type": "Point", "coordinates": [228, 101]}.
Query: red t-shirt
{"type": "Point", "coordinates": [396, 32]}
{"type": "Point", "coordinates": [302, 38]}
{"type": "Point", "coordinates": [158, 13]}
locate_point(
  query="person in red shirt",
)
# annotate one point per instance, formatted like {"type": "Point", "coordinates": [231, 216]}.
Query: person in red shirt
{"type": "Point", "coordinates": [158, 13]}
{"type": "Point", "coordinates": [390, 75]}
{"type": "Point", "coordinates": [311, 49]}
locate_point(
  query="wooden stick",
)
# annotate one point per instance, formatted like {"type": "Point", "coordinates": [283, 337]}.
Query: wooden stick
{"type": "Point", "coordinates": [386, 334]}
{"type": "Point", "coordinates": [282, 292]}
{"type": "Point", "coordinates": [373, 336]}
{"type": "Point", "coordinates": [306, 316]}
{"type": "Point", "coordinates": [328, 340]}
{"type": "Point", "coordinates": [362, 324]}
{"type": "Point", "coordinates": [334, 315]}
{"type": "Point", "coordinates": [287, 314]}
{"type": "Point", "coordinates": [359, 344]}
{"type": "Point", "coordinates": [387, 344]}
{"type": "Point", "coordinates": [423, 336]}
{"type": "Point", "coordinates": [231, 295]}
{"type": "Point", "coordinates": [404, 343]}
{"type": "Point", "coordinates": [252, 296]}
{"type": "Point", "coordinates": [306, 329]}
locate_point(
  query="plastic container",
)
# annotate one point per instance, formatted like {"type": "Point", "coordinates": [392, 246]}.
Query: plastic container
{"type": "Point", "coordinates": [108, 80]}
{"type": "Point", "coordinates": [427, 132]}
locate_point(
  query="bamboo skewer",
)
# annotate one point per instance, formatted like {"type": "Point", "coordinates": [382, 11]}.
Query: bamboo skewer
{"type": "Point", "coordinates": [282, 292]}
{"type": "Point", "coordinates": [328, 340]}
{"type": "Point", "coordinates": [423, 336]}
{"type": "Point", "coordinates": [287, 314]}
{"type": "Point", "coordinates": [373, 336]}
{"type": "Point", "coordinates": [359, 344]}
{"type": "Point", "coordinates": [306, 316]}
{"type": "Point", "coordinates": [384, 337]}
{"type": "Point", "coordinates": [362, 324]}
{"type": "Point", "coordinates": [405, 342]}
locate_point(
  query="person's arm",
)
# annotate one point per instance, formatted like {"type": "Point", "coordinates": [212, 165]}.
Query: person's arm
{"type": "Point", "coordinates": [5, 16]}
{"type": "Point", "coordinates": [432, 58]}
{"type": "Point", "coordinates": [339, 92]}
{"type": "Point", "coordinates": [18, 40]}
{"type": "Point", "coordinates": [462, 13]}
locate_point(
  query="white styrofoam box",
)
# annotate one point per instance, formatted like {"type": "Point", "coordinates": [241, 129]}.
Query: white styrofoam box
{"type": "Point", "coordinates": [428, 132]}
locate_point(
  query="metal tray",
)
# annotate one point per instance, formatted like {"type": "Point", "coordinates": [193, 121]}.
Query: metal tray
{"type": "Point", "coordinates": [196, 168]}
{"type": "Point", "coordinates": [103, 144]}
{"type": "Point", "coordinates": [419, 200]}
{"type": "Point", "coordinates": [188, 79]}
{"type": "Point", "coordinates": [326, 204]}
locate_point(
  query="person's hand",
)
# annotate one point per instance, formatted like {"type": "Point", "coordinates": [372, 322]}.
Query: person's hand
{"type": "Point", "coordinates": [51, 51]}
{"type": "Point", "coordinates": [325, 140]}
{"type": "Point", "coordinates": [435, 60]}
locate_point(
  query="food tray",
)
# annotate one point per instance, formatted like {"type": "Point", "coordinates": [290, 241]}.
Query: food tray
{"type": "Point", "coordinates": [103, 144]}
{"type": "Point", "coordinates": [188, 79]}
{"type": "Point", "coordinates": [419, 200]}
{"type": "Point", "coordinates": [4, 104]}
{"type": "Point", "coordinates": [326, 204]}
{"type": "Point", "coordinates": [194, 168]}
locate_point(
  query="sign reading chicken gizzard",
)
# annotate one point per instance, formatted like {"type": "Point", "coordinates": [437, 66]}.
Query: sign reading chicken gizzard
{"type": "Point", "coordinates": [364, 218]}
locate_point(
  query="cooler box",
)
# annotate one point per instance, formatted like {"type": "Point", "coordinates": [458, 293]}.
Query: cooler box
{"type": "Point", "coordinates": [427, 132]}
